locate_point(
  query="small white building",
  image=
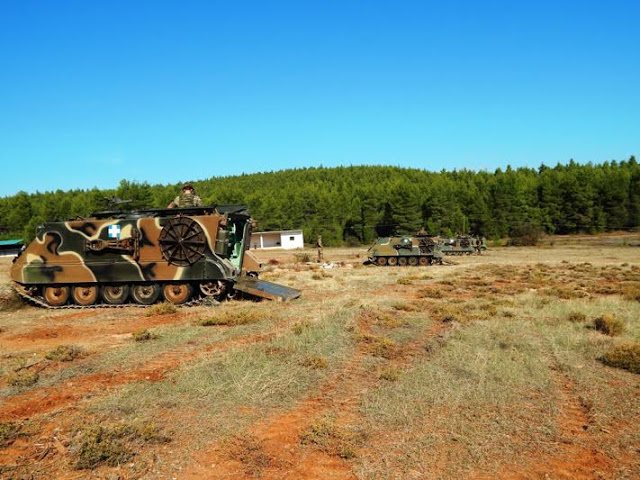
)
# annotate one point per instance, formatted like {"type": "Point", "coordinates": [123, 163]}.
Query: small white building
{"type": "Point", "coordinates": [286, 239]}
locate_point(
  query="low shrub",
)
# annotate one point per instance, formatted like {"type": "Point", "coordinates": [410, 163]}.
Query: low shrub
{"type": "Point", "coordinates": [332, 439]}
{"type": "Point", "coordinates": [525, 235]}
{"type": "Point", "coordinates": [379, 346]}
{"type": "Point", "coordinates": [112, 445]}
{"type": "Point", "coordinates": [391, 374]}
{"type": "Point", "coordinates": [163, 308]}
{"type": "Point", "coordinates": [302, 257]}
{"type": "Point", "coordinates": [23, 378]}
{"type": "Point", "coordinates": [631, 292]}
{"type": "Point", "coordinates": [625, 356]}
{"type": "Point", "coordinates": [609, 325]}
{"type": "Point", "coordinates": [9, 431]}
{"type": "Point", "coordinates": [64, 353]}
{"type": "Point", "coordinates": [430, 293]}
{"type": "Point", "coordinates": [144, 335]}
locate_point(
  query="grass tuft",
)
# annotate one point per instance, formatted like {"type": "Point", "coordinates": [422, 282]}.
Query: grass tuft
{"type": "Point", "coordinates": [404, 306]}
{"type": "Point", "coordinates": [231, 319]}
{"type": "Point", "coordinates": [625, 356]}
{"type": "Point", "coordinates": [23, 378]}
{"type": "Point", "coordinates": [64, 353]}
{"type": "Point", "coordinates": [609, 325]}
{"type": "Point", "coordinates": [391, 374]}
{"type": "Point", "coordinates": [9, 431]}
{"type": "Point", "coordinates": [315, 362]}
{"type": "Point", "coordinates": [379, 346]}
{"type": "Point", "coordinates": [430, 293]}
{"type": "Point", "coordinates": [163, 308]}
{"type": "Point", "coordinates": [300, 327]}
{"type": "Point", "coordinates": [332, 439]}
{"type": "Point", "coordinates": [144, 335]}
{"type": "Point", "coordinates": [113, 444]}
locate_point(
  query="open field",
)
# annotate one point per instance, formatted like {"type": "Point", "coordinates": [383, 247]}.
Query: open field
{"type": "Point", "coordinates": [487, 368]}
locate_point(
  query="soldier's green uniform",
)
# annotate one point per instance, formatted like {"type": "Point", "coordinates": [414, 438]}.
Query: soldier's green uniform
{"type": "Point", "coordinates": [186, 199]}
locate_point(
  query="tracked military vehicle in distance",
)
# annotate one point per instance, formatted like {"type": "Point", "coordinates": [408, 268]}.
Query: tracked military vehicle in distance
{"type": "Point", "coordinates": [401, 250]}
{"type": "Point", "coordinates": [140, 257]}
{"type": "Point", "coordinates": [463, 245]}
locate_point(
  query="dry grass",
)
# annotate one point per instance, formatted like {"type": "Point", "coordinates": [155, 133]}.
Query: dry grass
{"type": "Point", "coordinates": [405, 306]}
{"type": "Point", "coordinates": [315, 362]}
{"type": "Point", "coordinates": [162, 308]}
{"type": "Point", "coordinates": [577, 317]}
{"type": "Point", "coordinates": [332, 438]}
{"type": "Point", "coordinates": [232, 318]}
{"type": "Point", "coordinates": [112, 444]}
{"type": "Point", "coordinates": [390, 374]}
{"type": "Point", "coordinates": [65, 353]}
{"type": "Point", "coordinates": [379, 346]}
{"type": "Point", "coordinates": [248, 451]}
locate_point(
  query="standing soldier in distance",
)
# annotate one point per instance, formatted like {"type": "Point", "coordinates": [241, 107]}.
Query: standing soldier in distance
{"type": "Point", "coordinates": [187, 198]}
{"type": "Point", "coordinates": [319, 246]}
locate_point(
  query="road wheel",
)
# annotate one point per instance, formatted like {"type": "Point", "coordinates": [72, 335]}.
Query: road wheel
{"type": "Point", "coordinates": [392, 261]}
{"type": "Point", "coordinates": [56, 296]}
{"type": "Point", "coordinates": [382, 261]}
{"type": "Point", "coordinates": [85, 295]}
{"type": "Point", "coordinates": [402, 261]}
{"type": "Point", "coordinates": [115, 294]}
{"type": "Point", "coordinates": [423, 261]}
{"type": "Point", "coordinates": [145, 294]}
{"type": "Point", "coordinates": [413, 261]}
{"type": "Point", "coordinates": [177, 293]}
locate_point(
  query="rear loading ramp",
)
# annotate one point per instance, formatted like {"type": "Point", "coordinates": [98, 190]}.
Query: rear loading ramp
{"type": "Point", "coordinates": [260, 288]}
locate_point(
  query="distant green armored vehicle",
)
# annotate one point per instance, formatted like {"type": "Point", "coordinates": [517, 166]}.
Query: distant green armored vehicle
{"type": "Point", "coordinates": [115, 258]}
{"type": "Point", "coordinates": [404, 250]}
{"type": "Point", "coordinates": [463, 245]}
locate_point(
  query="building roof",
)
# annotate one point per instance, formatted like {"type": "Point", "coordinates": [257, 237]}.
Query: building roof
{"type": "Point", "coordinates": [277, 231]}
{"type": "Point", "coordinates": [5, 243]}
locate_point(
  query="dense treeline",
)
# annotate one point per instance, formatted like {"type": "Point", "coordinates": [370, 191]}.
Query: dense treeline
{"type": "Point", "coordinates": [352, 205]}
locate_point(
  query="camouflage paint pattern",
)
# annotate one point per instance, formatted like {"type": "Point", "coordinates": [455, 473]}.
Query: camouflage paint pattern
{"type": "Point", "coordinates": [59, 254]}
{"type": "Point", "coordinates": [405, 246]}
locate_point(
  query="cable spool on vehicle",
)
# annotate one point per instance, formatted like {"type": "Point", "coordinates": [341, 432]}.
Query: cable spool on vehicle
{"type": "Point", "coordinates": [182, 241]}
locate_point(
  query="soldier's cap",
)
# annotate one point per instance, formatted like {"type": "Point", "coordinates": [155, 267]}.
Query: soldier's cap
{"type": "Point", "coordinates": [187, 186]}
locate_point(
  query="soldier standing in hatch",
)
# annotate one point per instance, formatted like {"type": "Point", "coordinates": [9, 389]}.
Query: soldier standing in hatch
{"type": "Point", "coordinates": [186, 199]}
{"type": "Point", "coordinates": [319, 246]}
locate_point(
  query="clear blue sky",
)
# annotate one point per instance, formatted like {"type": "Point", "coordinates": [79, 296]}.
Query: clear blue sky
{"type": "Point", "coordinates": [95, 91]}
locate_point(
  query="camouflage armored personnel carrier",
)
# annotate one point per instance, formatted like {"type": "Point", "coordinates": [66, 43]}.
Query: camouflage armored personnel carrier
{"type": "Point", "coordinates": [405, 250]}
{"type": "Point", "coordinates": [463, 245]}
{"type": "Point", "coordinates": [113, 258]}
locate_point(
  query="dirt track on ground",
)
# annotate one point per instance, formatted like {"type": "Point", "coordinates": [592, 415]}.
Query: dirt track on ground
{"type": "Point", "coordinates": [53, 409]}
